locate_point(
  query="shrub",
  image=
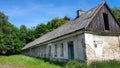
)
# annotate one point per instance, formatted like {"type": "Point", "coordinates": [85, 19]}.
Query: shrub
{"type": "Point", "coordinates": [75, 64]}
{"type": "Point", "coordinates": [105, 64]}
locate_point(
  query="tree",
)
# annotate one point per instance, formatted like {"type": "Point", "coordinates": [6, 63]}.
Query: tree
{"type": "Point", "coordinates": [13, 39]}
{"type": "Point", "coordinates": [56, 22]}
{"type": "Point", "coordinates": [116, 12]}
{"type": "Point", "coordinates": [23, 33]}
{"type": "Point", "coordinates": [9, 40]}
{"type": "Point", "coordinates": [30, 35]}
{"type": "Point", "coordinates": [40, 30]}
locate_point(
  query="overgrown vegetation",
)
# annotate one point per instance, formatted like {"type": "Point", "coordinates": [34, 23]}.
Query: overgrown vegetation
{"type": "Point", "coordinates": [95, 64]}
{"type": "Point", "coordinates": [105, 64]}
{"type": "Point", "coordinates": [75, 64]}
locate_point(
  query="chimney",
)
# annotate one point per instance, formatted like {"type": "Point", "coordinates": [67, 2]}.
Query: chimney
{"type": "Point", "coordinates": [79, 12]}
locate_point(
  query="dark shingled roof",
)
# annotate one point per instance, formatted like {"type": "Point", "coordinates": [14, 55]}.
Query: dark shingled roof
{"type": "Point", "coordinates": [79, 23]}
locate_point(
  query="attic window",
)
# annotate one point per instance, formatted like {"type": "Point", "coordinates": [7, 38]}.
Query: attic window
{"type": "Point", "coordinates": [106, 23]}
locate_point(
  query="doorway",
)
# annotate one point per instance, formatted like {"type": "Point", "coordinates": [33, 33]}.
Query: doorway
{"type": "Point", "coordinates": [70, 50]}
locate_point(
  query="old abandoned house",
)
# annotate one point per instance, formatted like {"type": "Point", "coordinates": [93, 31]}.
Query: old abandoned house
{"type": "Point", "coordinates": [93, 35]}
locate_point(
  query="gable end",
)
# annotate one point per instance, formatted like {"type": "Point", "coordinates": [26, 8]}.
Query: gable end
{"type": "Point", "coordinates": [104, 21]}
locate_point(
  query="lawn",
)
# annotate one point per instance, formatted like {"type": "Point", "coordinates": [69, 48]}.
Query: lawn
{"type": "Point", "coordinates": [21, 61]}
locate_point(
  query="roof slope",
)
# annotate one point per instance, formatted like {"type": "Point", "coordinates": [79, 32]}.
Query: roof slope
{"type": "Point", "coordinates": [74, 25]}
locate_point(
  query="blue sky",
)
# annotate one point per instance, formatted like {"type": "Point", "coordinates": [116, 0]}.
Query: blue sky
{"type": "Point", "coordinates": [33, 12]}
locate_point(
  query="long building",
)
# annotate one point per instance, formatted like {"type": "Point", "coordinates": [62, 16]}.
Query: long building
{"type": "Point", "coordinates": [92, 35]}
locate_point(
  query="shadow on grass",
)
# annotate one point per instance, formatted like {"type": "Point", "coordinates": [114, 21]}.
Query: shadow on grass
{"type": "Point", "coordinates": [67, 64]}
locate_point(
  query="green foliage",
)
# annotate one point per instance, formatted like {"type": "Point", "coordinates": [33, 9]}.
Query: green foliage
{"type": "Point", "coordinates": [75, 64]}
{"type": "Point", "coordinates": [56, 22]}
{"type": "Point", "coordinates": [105, 64]}
{"type": "Point", "coordinates": [116, 12]}
{"type": "Point", "coordinates": [62, 64]}
{"type": "Point", "coordinates": [40, 30]}
{"type": "Point", "coordinates": [9, 40]}
{"type": "Point", "coordinates": [23, 33]}
{"type": "Point", "coordinates": [30, 35]}
{"type": "Point", "coordinates": [13, 39]}
{"type": "Point", "coordinates": [94, 64]}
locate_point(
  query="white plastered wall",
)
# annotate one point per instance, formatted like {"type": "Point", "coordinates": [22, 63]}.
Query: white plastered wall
{"type": "Point", "coordinates": [102, 47]}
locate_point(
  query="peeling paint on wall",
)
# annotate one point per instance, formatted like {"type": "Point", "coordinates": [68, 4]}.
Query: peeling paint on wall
{"type": "Point", "coordinates": [100, 47]}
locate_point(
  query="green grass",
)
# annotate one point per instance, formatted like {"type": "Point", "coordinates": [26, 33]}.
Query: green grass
{"type": "Point", "coordinates": [21, 61]}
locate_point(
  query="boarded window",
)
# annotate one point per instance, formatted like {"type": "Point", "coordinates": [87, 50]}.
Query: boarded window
{"type": "Point", "coordinates": [62, 50]}
{"type": "Point", "coordinates": [106, 22]}
{"type": "Point", "coordinates": [55, 50]}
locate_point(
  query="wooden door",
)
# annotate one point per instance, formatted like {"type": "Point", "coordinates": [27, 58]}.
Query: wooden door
{"type": "Point", "coordinates": [70, 50]}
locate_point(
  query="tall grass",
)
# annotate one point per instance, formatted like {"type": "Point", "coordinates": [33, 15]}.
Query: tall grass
{"type": "Point", "coordinates": [75, 64]}
{"type": "Point", "coordinates": [20, 61]}
{"type": "Point", "coordinates": [105, 64]}
{"type": "Point", "coordinates": [94, 64]}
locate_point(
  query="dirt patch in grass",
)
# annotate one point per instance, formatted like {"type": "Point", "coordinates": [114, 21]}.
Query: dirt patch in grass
{"type": "Point", "coordinates": [6, 66]}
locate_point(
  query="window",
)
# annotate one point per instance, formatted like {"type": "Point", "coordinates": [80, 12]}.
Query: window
{"type": "Point", "coordinates": [55, 50]}
{"type": "Point", "coordinates": [106, 23]}
{"type": "Point", "coordinates": [45, 51]}
{"type": "Point", "coordinates": [49, 50]}
{"type": "Point", "coordinates": [41, 52]}
{"type": "Point", "coordinates": [62, 50]}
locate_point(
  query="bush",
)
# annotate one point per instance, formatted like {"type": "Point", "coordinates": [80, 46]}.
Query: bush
{"type": "Point", "coordinates": [105, 64]}
{"type": "Point", "coordinates": [75, 64]}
